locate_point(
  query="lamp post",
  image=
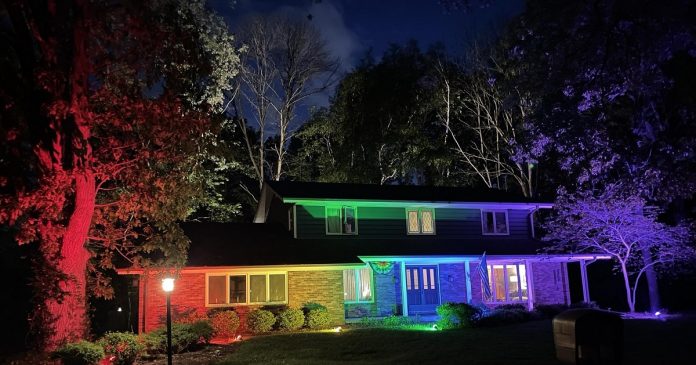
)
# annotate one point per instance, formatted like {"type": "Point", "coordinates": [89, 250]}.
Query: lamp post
{"type": "Point", "coordinates": [168, 286]}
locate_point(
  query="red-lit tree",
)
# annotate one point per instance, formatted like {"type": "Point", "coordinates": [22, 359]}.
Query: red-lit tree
{"type": "Point", "coordinates": [106, 123]}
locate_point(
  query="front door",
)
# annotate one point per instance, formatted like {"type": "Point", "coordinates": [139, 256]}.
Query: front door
{"type": "Point", "coordinates": [422, 289]}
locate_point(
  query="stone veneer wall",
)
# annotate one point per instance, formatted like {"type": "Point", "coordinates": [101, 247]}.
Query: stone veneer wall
{"type": "Point", "coordinates": [550, 283]}
{"type": "Point", "coordinates": [476, 289]}
{"type": "Point", "coordinates": [323, 287]}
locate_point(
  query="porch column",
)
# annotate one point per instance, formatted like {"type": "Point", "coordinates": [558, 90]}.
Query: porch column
{"type": "Point", "coordinates": [585, 286]}
{"type": "Point", "coordinates": [530, 285]}
{"type": "Point", "coordinates": [467, 272]}
{"type": "Point", "coordinates": [404, 295]}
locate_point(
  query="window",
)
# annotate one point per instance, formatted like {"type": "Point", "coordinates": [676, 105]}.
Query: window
{"type": "Point", "coordinates": [420, 221]}
{"type": "Point", "coordinates": [357, 285]}
{"type": "Point", "coordinates": [508, 283]}
{"type": "Point", "coordinates": [494, 222]}
{"type": "Point", "coordinates": [341, 220]}
{"type": "Point", "coordinates": [233, 289]}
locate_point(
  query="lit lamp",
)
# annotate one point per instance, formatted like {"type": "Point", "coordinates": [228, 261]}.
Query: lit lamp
{"type": "Point", "coordinates": [168, 286]}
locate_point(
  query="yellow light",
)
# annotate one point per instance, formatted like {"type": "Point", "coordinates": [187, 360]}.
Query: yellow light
{"type": "Point", "coordinates": [168, 284]}
{"type": "Point", "coordinates": [337, 329]}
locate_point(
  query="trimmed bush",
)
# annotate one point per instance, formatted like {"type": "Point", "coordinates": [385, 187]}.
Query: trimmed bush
{"type": "Point", "coordinates": [291, 319]}
{"type": "Point", "coordinates": [396, 321]}
{"type": "Point", "coordinates": [185, 336]}
{"type": "Point", "coordinates": [457, 315]}
{"type": "Point", "coordinates": [79, 353]}
{"type": "Point", "coordinates": [260, 321]}
{"type": "Point", "coordinates": [316, 316]}
{"type": "Point", "coordinates": [508, 314]}
{"type": "Point", "coordinates": [225, 323]}
{"type": "Point", "coordinates": [124, 346]}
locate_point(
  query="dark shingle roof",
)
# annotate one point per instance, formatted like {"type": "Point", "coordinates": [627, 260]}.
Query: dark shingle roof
{"type": "Point", "coordinates": [247, 244]}
{"type": "Point", "coordinates": [314, 190]}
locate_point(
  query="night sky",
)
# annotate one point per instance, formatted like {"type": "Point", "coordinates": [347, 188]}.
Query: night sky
{"type": "Point", "coordinates": [352, 27]}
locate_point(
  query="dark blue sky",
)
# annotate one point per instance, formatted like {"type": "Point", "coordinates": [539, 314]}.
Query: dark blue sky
{"type": "Point", "coordinates": [351, 27]}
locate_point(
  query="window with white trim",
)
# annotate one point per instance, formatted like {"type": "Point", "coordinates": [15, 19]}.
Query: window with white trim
{"type": "Point", "coordinates": [357, 285]}
{"type": "Point", "coordinates": [420, 221]}
{"type": "Point", "coordinates": [246, 288]}
{"type": "Point", "coordinates": [341, 220]}
{"type": "Point", "coordinates": [494, 222]}
{"type": "Point", "coordinates": [508, 283]}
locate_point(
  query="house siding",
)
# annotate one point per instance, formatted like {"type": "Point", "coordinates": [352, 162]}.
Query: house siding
{"type": "Point", "coordinates": [390, 222]}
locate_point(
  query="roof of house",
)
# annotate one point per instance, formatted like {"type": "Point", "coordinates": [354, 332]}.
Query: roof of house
{"type": "Point", "coordinates": [249, 244]}
{"type": "Point", "coordinates": [315, 190]}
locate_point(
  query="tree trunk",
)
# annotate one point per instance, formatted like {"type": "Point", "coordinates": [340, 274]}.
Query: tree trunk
{"type": "Point", "coordinates": [70, 312]}
{"type": "Point", "coordinates": [627, 284]}
{"type": "Point", "coordinates": [651, 279]}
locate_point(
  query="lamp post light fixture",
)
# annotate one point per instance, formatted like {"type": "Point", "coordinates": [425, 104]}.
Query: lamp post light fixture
{"type": "Point", "coordinates": [168, 287]}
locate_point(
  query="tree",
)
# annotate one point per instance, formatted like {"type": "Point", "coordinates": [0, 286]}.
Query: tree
{"type": "Point", "coordinates": [610, 83]}
{"type": "Point", "coordinates": [490, 126]}
{"type": "Point", "coordinates": [619, 224]}
{"type": "Point", "coordinates": [382, 126]}
{"type": "Point", "coordinates": [105, 118]}
{"type": "Point", "coordinates": [285, 61]}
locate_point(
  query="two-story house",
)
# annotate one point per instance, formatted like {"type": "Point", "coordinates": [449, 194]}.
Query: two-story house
{"type": "Point", "coordinates": [367, 250]}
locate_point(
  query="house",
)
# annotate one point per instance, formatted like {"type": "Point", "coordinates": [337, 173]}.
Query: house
{"type": "Point", "coordinates": [367, 251]}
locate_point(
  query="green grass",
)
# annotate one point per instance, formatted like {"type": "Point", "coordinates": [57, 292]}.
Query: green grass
{"type": "Point", "coordinates": [646, 342]}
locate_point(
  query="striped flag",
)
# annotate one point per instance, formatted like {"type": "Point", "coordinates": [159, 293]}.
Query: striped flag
{"type": "Point", "coordinates": [483, 272]}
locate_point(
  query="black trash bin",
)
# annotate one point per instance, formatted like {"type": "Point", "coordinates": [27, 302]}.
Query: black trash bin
{"type": "Point", "coordinates": [588, 336]}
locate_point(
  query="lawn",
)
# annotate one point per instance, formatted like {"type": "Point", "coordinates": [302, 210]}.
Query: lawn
{"type": "Point", "coordinates": [647, 342]}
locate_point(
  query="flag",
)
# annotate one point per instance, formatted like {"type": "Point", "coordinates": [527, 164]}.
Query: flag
{"type": "Point", "coordinates": [483, 272]}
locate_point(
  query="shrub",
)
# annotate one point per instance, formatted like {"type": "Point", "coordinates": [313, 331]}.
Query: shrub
{"type": "Point", "coordinates": [457, 315]}
{"type": "Point", "coordinates": [260, 320]}
{"type": "Point", "coordinates": [124, 346]}
{"type": "Point", "coordinates": [79, 353]}
{"type": "Point", "coordinates": [396, 321]}
{"type": "Point", "coordinates": [550, 310]}
{"type": "Point", "coordinates": [224, 323]}
{"type": "Point", "coordinates": [507, 314]}
{"type": "Point", "coordinates": [316, 316]}
{"type": "Point", "coordinates": [185, 336]}
{"type": "Point", "coordinates": [291, 319]}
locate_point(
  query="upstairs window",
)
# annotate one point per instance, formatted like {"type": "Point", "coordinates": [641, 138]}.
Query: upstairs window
{"type": "Point", "coordinates": [494, 222]}
{"type": "Point", "coordinates": [357, 285]}
{"type": "Point", "coordinates": [341, 220]}
{"type": "Point", "coordinates": [420, 221]}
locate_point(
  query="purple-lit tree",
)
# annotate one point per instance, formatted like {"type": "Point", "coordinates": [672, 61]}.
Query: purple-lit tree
{"type": "Point", "coordinates": [622, 225]}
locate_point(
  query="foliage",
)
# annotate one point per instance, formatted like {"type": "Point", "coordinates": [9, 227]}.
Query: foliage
{"type": "Point", "coordinates": [285, 61]}
{"type": "Point", "coordinates": [389, 321]}
{"type": "Point", "coordinates": [123, 345]}
{"type": "Point", "coordinates": [551, 310]}
{"type": "Point", "coordinates": [260, 321]}
{"type": "Point", "coordinates": [291, 319]}
{"type": "Point", "coordinates": [619, 224]}
{"type": "Point", "coordinates": [381, 127]}
{"type": "Point", "coordinates": [506, 314]}
{"type": "Point", "coordinates": [457, 315]}
{"type": "Point", "coordinates": [79, 353]}
{"type": "Point", "coordinates": [316, 315]}
{"type": "Point", "coordinates": [185, 336]}
{"type": "Point", "coordinates": [225, 323]}
{"type": "Point", "coordinates": [107, 137]}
